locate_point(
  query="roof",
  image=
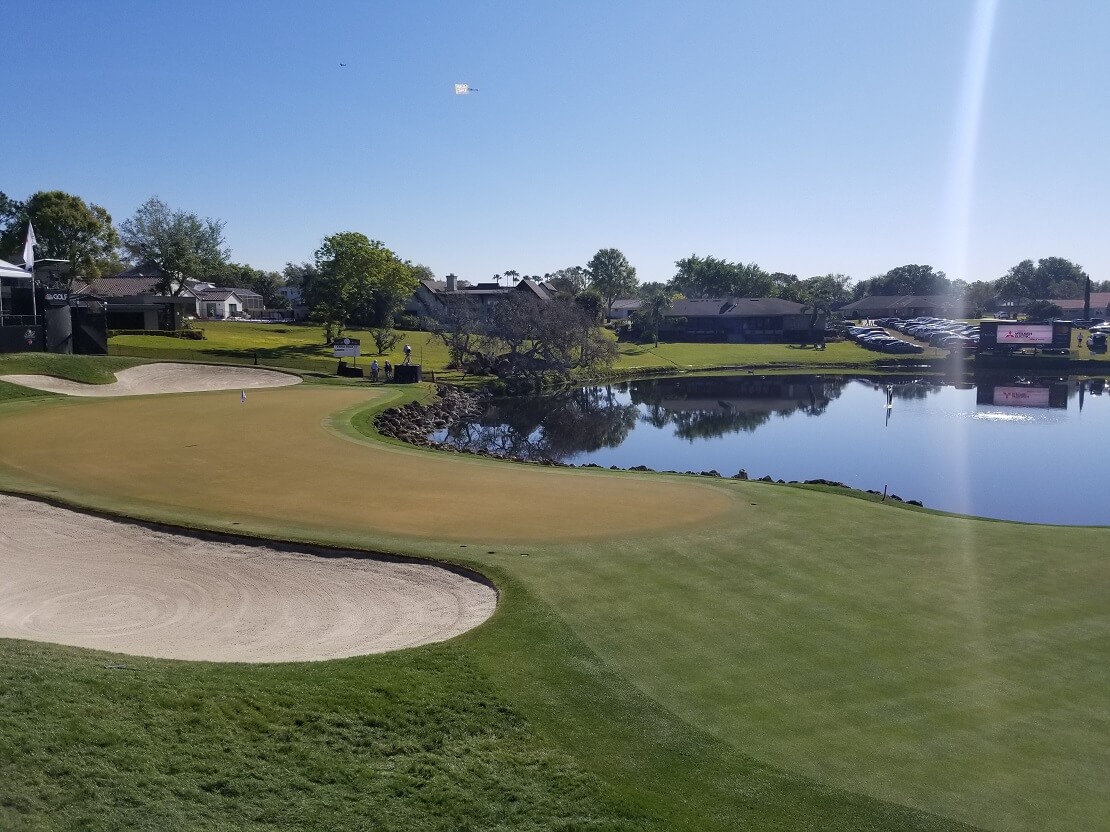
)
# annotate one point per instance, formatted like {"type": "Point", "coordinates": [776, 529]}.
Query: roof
{"type": "Point", "coordinates": [733, 307]}
{"type": "Point", "coordinates": [1099, 300]}
{"type": "Point", "coordinates": [627, 303]}
{"type": "Point", "coordinates": [439, 287]}
{"type": "Point", "coordinates": [11, 270]}
{"type": "Point", "coordinates": [122, 287]}
{"type": "Point", "coordinates": [219, 294]}
{"type": "Point", "coordinates": [900, 302]}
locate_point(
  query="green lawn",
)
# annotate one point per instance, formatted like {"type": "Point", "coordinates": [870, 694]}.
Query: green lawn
{"type": "Point", "coordinates": [293, 346]}
{"type": "Point", "coordinates": [301, 347]}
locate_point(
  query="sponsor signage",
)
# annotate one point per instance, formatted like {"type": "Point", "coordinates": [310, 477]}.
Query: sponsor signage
{"type": "Point", "coordinates": [346, 348]}
{"type": "Point", "coordinates": [1022, 396]}
{"type": "Point", "coordinates": [1027, 334]}
{"type": "Point", "coordinates": [1011, 335]}
{"type": "Point", "coordinates": [56, 298]}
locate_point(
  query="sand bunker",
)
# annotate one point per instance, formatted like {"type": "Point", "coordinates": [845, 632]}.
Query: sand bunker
{"type": "Point", "coordinates": [72, 578]}
{"type": "Point", "coordinates": [163, 378]}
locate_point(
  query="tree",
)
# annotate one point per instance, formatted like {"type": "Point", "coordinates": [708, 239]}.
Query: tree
{"type": "Point", "coordinates": [12, 212]}
{"type": "Point", "coordinates": [611, 275]}
{"type": "Point", "coordinates": [267, 284]}
{"type": "Point", "coordinates": [818, 296]}
{"type": "Point", "coordinates": [912, 279]}
{"type": "Point", "coordinates": [1057, 277]}
{"type": "Point", "coordinates": [1040, 310]}
{"type": "Point", "coordinates": [710, 277]}
{"type": "Point", "coordinates": [181, 243]}
{"type": "Point", "coordinates": [648, 319]}
{"type": "Point", "coordinates": [357, 278]}
{"type": "Point", "coordinates": [571, 281]}
{"type": "Point", "coordinates": [523, 338]}
{"type": "Point", "coordinates": [66, 227]}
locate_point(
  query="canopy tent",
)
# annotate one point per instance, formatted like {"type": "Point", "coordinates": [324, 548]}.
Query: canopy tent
{"type": "Point", "coordinates": [11, 270]}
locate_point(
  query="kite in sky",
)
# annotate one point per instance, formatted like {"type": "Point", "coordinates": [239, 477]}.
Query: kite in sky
{"type": "Point", "coordinates": [464, 89]}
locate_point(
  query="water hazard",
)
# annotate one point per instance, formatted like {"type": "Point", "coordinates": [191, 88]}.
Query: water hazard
{"type": "Point", "coordinates": [1016, 448]}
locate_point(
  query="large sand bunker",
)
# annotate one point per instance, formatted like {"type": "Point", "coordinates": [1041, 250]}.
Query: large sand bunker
{"type": "Point", "coordinates": [162, 378]}
{"type": "Point", "coordinates": [81, 580]}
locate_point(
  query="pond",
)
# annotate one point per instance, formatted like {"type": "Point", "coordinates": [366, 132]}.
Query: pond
{"type": "Point", "coordinates": [1032, 449]}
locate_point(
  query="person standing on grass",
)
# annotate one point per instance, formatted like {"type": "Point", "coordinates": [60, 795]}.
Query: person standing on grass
{"type": "Point", "coordinates": [388, 370]}
{"type": "Point", "coordinates": [374, 370]}
{"type": "Point", "coordinates": [408, 354]}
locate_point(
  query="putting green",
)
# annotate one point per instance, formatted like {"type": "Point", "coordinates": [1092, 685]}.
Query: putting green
{"type": "Point", "coordinates": [948, 664]}
{"type": "Point", "coordinates": [274, 457]}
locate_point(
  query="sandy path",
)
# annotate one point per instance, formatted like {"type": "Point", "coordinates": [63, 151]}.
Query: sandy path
{"type": "Point", "coordinates": [162, 378]}
{"type": "Point", "coordinates": [85, 581]}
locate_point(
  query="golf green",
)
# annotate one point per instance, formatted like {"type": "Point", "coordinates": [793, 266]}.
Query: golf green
{"type": "Point", "coordinates": [948, 664]}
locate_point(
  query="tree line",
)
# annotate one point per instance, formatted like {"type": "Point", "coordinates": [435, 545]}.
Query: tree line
{"type": "Point", "coordinates": [355, 280]}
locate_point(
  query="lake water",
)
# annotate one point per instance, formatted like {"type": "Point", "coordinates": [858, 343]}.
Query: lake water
{"type": "Point", "coordinates": [1032, 449]}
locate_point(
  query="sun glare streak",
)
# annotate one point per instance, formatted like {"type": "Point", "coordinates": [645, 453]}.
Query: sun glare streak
{"type": "Point", "coordinates": [965, 142]}
{"type": "Point", "coordinates": [968, 595]}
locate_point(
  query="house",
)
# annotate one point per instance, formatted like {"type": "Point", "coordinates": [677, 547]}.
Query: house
{"type": "Point", "coordinates": [133, 301]}
{"type": "Point", "coordinates": [1073, 307]}
{"type": "Point", "coordinates": [432, 297]}
{"type": "Point", "coordinates": [220, 304]}
{"type": "Point", "coordinates": [741, 320]}
{"type": "Point", "coordinates": [623, 308]}
{"type": "Point", "coordinates": [904, 307]}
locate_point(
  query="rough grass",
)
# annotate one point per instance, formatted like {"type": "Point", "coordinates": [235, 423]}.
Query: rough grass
{"type": "Point", "coordinates": [796, 659]}
{"type": "Point", "coordinates": [293, 346]}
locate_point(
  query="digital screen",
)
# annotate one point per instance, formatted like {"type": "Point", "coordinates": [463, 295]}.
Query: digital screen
{"type": "Point", "coordinates": [1024, 334]}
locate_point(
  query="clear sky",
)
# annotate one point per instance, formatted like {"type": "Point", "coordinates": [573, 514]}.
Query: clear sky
{"type": "Point", "coordinates": [808, 137]}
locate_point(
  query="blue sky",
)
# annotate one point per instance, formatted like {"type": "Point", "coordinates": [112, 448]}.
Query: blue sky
{"type": "Point", "coordinates": [809, 137]}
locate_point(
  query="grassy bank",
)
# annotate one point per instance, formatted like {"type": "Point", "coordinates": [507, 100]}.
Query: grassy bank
{"type": "Point", "coordinates": [301, 347]}
{"type": "Point", "coordinates": [791, 659]}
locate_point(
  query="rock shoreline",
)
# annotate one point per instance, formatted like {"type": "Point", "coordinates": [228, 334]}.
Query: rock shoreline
{"type": "Point", "coordinates": [413, 423]}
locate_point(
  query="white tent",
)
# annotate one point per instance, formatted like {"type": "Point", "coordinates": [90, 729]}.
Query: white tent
{"type": "Point", "coordinates": [11, 270]}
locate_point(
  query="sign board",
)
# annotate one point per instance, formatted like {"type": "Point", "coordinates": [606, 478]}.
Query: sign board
{"type": "Point", "coordinates": [346, 348]}
{"type": "Point", "coordinates": [1008, 394]}
{"type": "Point", "coordinates": [1022, 396]}
{"type": "Point", "coordinates": [1011, 335]}
{"type": "Point", "coordinates": [1024, 334]}
{"type": "Point", "coordinates": [55, 297]}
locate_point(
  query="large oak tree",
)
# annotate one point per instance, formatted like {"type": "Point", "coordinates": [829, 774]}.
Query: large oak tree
{"type": "Point", "coordinates": [183, 244]}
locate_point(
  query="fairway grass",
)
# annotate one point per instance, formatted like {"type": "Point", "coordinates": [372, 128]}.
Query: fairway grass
{"type": "Point", "coordinates": [678, 652]}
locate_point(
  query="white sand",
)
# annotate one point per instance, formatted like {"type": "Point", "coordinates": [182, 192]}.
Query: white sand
{"type": "Point", "coordinates": [163, 378]}
{"type": "Point", "coordinates": [76, 579]}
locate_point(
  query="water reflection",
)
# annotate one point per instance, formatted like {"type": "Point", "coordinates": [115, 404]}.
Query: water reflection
{"type": "Point", "coordinates": [711, 406]}
{"type": "Point", "coordinates": [968, 445]}
{"type": "Point", "coordinates": [538, 428]}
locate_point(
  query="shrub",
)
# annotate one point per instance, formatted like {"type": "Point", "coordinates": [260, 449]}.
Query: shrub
{"type": "Point", "coordinates": [188, 334]}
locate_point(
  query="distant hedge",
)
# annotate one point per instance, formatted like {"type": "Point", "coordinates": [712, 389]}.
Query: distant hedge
{"type": "Point", "coordinates": [189, 334]}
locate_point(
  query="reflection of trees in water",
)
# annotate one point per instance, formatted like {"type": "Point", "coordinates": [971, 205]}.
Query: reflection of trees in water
{"type": "Point", "coordinates": [905, 388]}
{"type": "Point", "coordinates": [548, 427]}
{"type": "Point", "coordinates": [711, 406]}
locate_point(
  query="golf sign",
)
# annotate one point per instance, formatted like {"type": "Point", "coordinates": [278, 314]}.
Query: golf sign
{"type": "Point", "coordinates": [346, 348]}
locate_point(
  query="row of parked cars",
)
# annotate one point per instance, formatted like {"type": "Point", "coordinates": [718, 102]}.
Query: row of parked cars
{"type": "Point", "coordinates": [878, 339]}
{"type": "Point", "coordinates": [938, 332]}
